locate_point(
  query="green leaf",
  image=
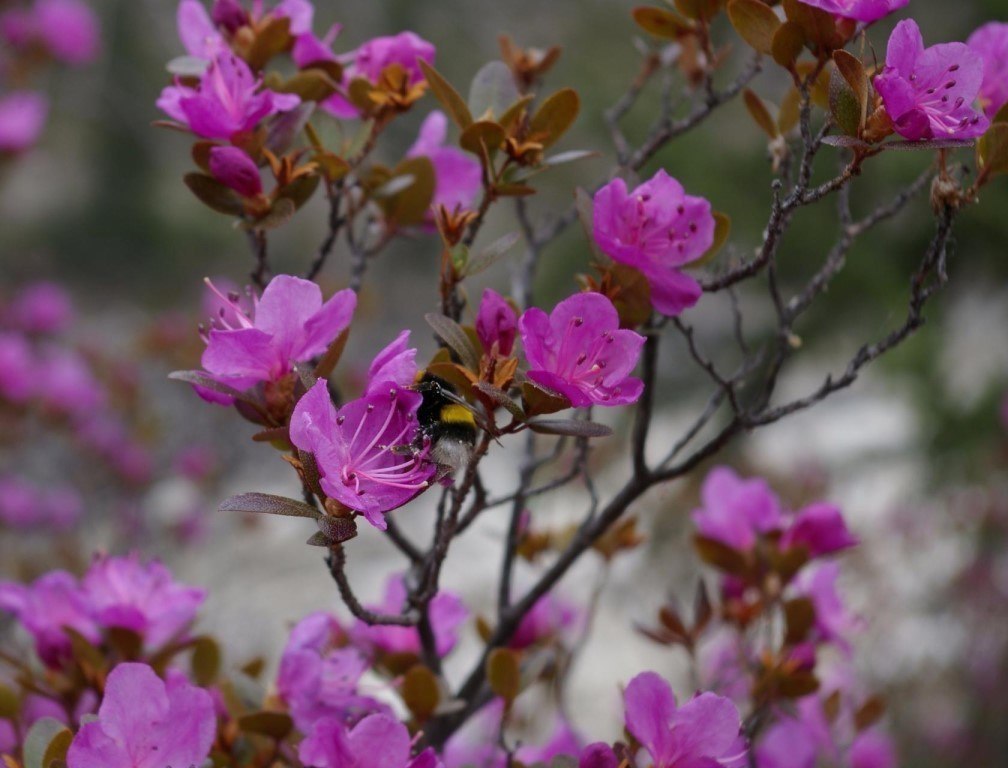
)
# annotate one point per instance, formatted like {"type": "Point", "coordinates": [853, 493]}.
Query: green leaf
{"type": "Point", "coordinates": [787, 44]}
{"type": "Point", "coordinates": [555, 116]}
{"type": "Point", "coordinates": [47, 740]}
{"type": "Point", "coordinates": [818, 26]}
{"type": "Point", "coordinates": [420, 691]}
{"type": "Point", "coordinates": [500, 398]}
{"type": "Point", "coordinates": [300, 190]}
{"type": "Point", "coordinates": [504, 673]}
{"type": "Point", "coordinates": [268, 504]}
{"type": "Point", "coordinates": [661, 22]}
{"type": "Point", "coordinates": [409, 205]}
{"type": "Point", "coordinates": [482, 136]}
{"type": "Point", "coordinates": [206, 660]}
{"type": "Point", "coordinates": [270, 41]}
{"type": "Point", "coordinates": [276, 725]}
{"type": "Point", "coordinates": [490, 254]}
{"type": "Point", "coordinates": [722, 230]}
{"type": "Point", "coordinates": [493, 90]}
{"type": "Point", "coordinates": [455, 337]}
{"type": "Point", "coordinates": [332, 355]}
{"type": "Point", "coordinates": [570, 428]}
{"type": "Point", "coordinates": [697, 9]}
{"type": "Point", "coordinates": [799, 616]}
{"type": "Point", "coordinates": [844, 105]}
{"type": "Point", "coordinates": [992, 150]}
{"type": "Point", "coordinates": [283, 210]}
{"type": "Point", "coordinates": [310, 85]}
{"type": "Point", "coordinates": [853, 71]}
{"type": "Point", "coordinates": [214, 194]}
{"type": "Point", "coordinates": [755, 22]}
{"type": "Point", "coordinates": [444, 92]}
{"type": "Point", "coordinates": [540, 401]}
{"type": "Point", "coordinates": [721, 556]}
{"type": "Point", "coordinates": [759, 112]}
{"type": "Point", "coordinates": [201, 379]}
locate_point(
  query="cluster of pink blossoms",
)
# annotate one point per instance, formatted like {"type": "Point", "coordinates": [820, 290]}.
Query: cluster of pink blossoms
{"type": "Point", "coordinates": [66, 32]}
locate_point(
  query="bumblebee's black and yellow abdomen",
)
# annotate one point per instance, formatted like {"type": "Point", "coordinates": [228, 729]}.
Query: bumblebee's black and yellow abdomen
{"type": "Point", "coordinates": [446, 422]}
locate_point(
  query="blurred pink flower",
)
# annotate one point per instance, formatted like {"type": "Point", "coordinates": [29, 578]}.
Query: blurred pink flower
{"type": "Point", "coordinates": [821, 529]}
{"type": "Point", "coordinates": [550, 619]}
{"type": "Point", "coordinates": [41, 307]}
{"type": "Point", "coordinates": [736, 511]}
{"type": "Point", "coordinates": [990, 42]}
{"type": "Point", "coordinates": [22, 118]}
{"type": "Point", "coordinates": [866, 11]}
{"type": "Point", "coordinates": [18, 368]}
{"type": "Point", "coordinates": [69, 29]}
{"type": "Point", "coordinates": [496, 322]}
{"type": "Point", "coordinates": [377, 741]}
{"type": "Point", "coordinates": [235, 169]}
{"type": "Point", "coordinates": [580, 351]}
{"type": "Point", "coordinates": [457, 175]}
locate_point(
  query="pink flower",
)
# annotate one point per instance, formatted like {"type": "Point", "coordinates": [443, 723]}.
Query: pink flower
{"type": "Point", "coordinates": [549, 619]}
{"type": "Point", "coordinates": [821, 529]}
{"type": "Point", "coordinates": [51, 603]}
{"type": "Point", "coordinates": [228, 100]}
{"type": "Point", "coordinates": [229, 15]}
{"type": "Point", "coordinates": [702, 732]}
{"type": "Point", "coordinates": [197, 32]}
{"type": "Point", "coordinates": [788, 743]}
{"type": "Point", "coordinates": [371, 59]}
{"type": "Point", "coordinates": [41, 308]}
{"type": "Point", "coordinates": [736, 511]}
{"type": "Point", "coordinates": [22, 118]}
{"type": "Point", "coordinates": [872, 749]}
{"type": "Point", "coordinates": [395, 365]}
{"type": "Point", "coordinates": [990, 42]}
{"type": "Point", "coordinates": [363, 450]}
{"type": "Point", "coordinates": [17, 368]}
{"type": "Point", "coordinates": [833, 621]}
{"type": "Point", "coordinates": [564, 742]}
{"type": "Point", "coordinates": [447, 614]}
{"type": "Point", "coordinates": [69, 29]}
{"type": "Point", "coordinates": [67, 385]}
{"type": "Point", "coordinates": [26, 506]}
{"type": "Point", "coordinates": [496, 323]}
{"type": "Point", "coordinates": [287, 325]}
{"type": "Point", "coordinates": [580, 351]}
{"type": "Point", "coordinates": [235, 169]}
{"type": "Point", "coordinates": [866, 11]}
{"type": "Point", "coordinates": [145, 723]}
{"type": "Point", "coordinates": [458, 176]}
{"type": "Point", "coordinates": [377, 741]}
{"type": "Point", "coordinates": [656, 229]}
{"type": "Point", "coordinates": [126, 593]}
{"type": "Point", "coordinates": [929, 92]}
{"type": "Point", "coordinates": [318, 678]}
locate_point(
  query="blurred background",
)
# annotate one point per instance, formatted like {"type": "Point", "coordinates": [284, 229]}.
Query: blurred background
{"type": "Point", "coordinates": [915, 453]}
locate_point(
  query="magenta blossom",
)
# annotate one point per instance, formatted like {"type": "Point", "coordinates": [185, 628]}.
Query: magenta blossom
{"type": "Point", "coordinates": [821, 529]}
{"type": "Point", "coordinates": [990, 42]}
{"type": "Point", "coordinates": [228, 100]}
{"type": "Point", "coordinates": [580, 351]}
{"type": "Point", "coordinates": [458, 176]}
{"type": "Point", "coordinates": [866, 11]}
{"type": "Point", "coordinates": [377, 741]}
{"type": "Point", "coordinates": [363, 450]}
{"type": "Point", "coordinates": [550, 619]}
{"type": "Point", "coordinates": [146, 723]}
{"type": "Point", "coordinates": [496, 323]}
{"type": "Point", "coordinates": [318, 678]}
{"type": "Point", "coordinates": [235, 169]}
{"type": "Point", "coordinates": [736, 511]}
{"type": "Point", "coordinates": [833, 620]}
{"type": "Point", "coordinates": [929, 93]}
{"type": "Point", "coordinates": [17, 368]}
{"type": "Point", "coordinates": [447, 614]}
{"type": "Point", "coordinates": [126, 593]}
{"type": "Point", "coordinates": [26, 506]}
{"type": "Point", "coordinates": [395, 364]}
{"type": "Point", "coordinates": [788, 743]}
{"type": "Point", "coordinates": [197, 32]}
{"type": "Point", "coordinates": [45, 607]}
{"type": "Point", "coordinates": [872, 749]}
{"type": "Point", "coordinates": [69, 29]}
{"type": "Point", "coordinates": [598, 755]}
{"type": "Point", "coordinates": [656, 229]}
{"type": "Point", "coordinates": [703, 733]}
{"type": "Point", "coordinates": [405, 49]}
{"type": "Point", "coordinates": [288, 324]}
{"type": "Point", "coordinates": [41, 308]}
{"type": "Point", "coordinates": [563, 742]}
{"type": "Point", "coordinates": [67, 384]}
{"type": "Point", "coordinates": [22, 118]}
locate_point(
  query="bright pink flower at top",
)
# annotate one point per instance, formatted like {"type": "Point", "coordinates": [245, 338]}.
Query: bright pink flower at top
{"type": "Point", "coordinates": [143, 597]}
{"type": "Point", "coordinates": [549, 619]}
{"type": "Point", "coordinates": [821, 529]}
{"type": "Point", "coordinates": [703, 733]}
{"type": "Point", "coordinates": [233, 168]}
{"type": "Point", "coordinates": [866, 11]}
{"type": "Point", "coordinates": [496, 321]}
{"type": "Point", "coordinates": [833, 620]}
{"type": "Point", "coordinates": [363, 450]}
{"type": "Point", "coordinates": [377, 741]}
{"type": "Point", "coordinates": [41, 307]}
{"type": "Point", "coordinates": [405, 49]}
{"type": "Point", "coordinates": [656, 229]}
{"type": "Point", "coordinates": [288, 324]}
{"type": "Point", "coordinates": [22, 118]}
{"type": "Point", "coordinates": [929, 93]}
{"type": "Point", "coordinates": [872, 749]}
{"type": "Point", "coordinates": [580, 351]}
{"type": "Point", "coordinates": [447, 614]}
{"type": "Point", "coordinates": [458, 176]}
{"type": "Point", "coordinates": [318, 678]}
{"type": "Point", "coordinates": [17, 368]}
{"type": "Point", "coordinates": [197, 32]}
{"type": "Point", "coordinates": [736, 511]}
{"type": "Point", "coordinates": [44, 608]}
{"type": "Point", "coordinates": [145, 723]}
{"type": "Point", "coordinates": [990, 42]}
{"type": "Point", "coordinates": [69, 29]}
{"type": "Point", "coordinates": [228, 100]}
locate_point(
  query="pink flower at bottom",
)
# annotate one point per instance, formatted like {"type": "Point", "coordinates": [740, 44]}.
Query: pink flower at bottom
{"type": "Point", "coordinates": [702, 732]}
{"type": "Point", "coordinates": [22, 118]}
{"type": "Point", "coordinates": [145, 723]}
{"type": "Point", "coordinates": [580, 351]}
{"type": "Point", "coordinates": [377, 741]}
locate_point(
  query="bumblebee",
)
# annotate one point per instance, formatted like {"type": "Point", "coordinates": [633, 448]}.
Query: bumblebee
{"type": "Point", "coordinates": [447, 422]}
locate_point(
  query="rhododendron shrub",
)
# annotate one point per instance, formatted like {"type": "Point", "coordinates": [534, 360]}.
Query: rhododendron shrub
{"type": "Point", "coordinates": [486, 405]}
